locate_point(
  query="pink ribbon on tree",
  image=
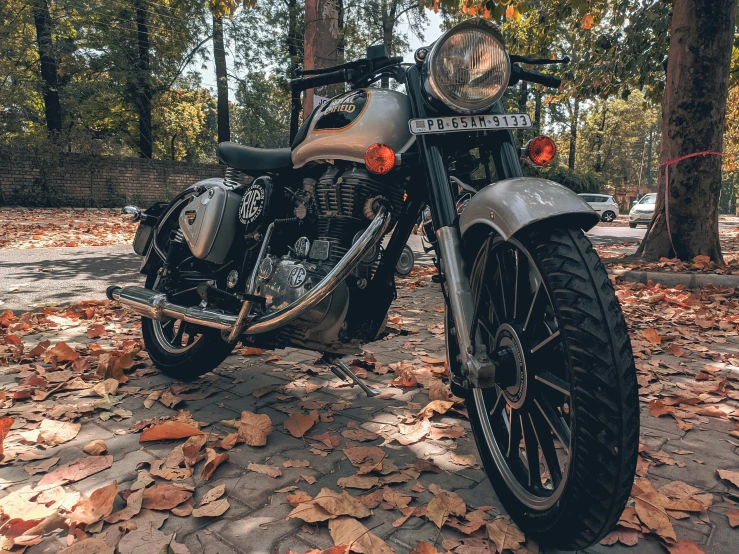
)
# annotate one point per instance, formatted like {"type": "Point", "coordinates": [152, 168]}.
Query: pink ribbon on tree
{"type": "Point", "coordinates": [667, 165]}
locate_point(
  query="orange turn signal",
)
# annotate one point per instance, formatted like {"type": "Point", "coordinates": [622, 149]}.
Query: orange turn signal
{"type": "Point", "coordinates": [380, 158]}
{"type": "Point", "coordinates": [541, 150]}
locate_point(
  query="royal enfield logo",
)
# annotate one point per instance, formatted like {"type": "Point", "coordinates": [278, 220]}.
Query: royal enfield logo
{"type": "Point", "coordinates": [297, 276]}
{"type": "Point", "coordinates": [252, 204]}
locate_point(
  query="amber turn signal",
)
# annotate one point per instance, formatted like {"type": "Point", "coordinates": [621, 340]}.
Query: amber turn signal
{"type": "Point", "coordinates": [380, 158]}
{"type": "Point", "coordinates": [541, 150]}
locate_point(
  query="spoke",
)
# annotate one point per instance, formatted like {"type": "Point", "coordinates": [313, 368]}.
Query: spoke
{"type": "Point", "coordinates": [514, 435]}
{"type": "Point", "coordinates": [546, 341]}
{"type": "Point", "coordinates": [177, 340]}
{"type": "Point", "coordinates": [487, 325]}
{"type": "Point", "coordinates": [479, 286]}
{"type": "Point", "coordinates": [532, 451]}
{"type": "Point", "coordinates": [553, 381]}
{"type": "Point", "coordinates": [497, 402]}
{"type": "Point", "coordinates": [515, 287]}
{"type": "Point", "coordinates": [502, 313]}
{"type": "Point", "coordinates": [538, 296]}
{"type": "Point", "coordinates": [558, 426]}
{"type": "Point", "coordinates": [167, 324]}
{"type": "Point", "coordinates": [544, 436]}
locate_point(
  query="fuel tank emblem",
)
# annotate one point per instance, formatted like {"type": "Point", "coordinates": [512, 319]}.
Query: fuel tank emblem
{"type": "Point", "coordinates": [342, 111]}
{"type": "Point", "coordinates": [297, 276]}
{"type": "Point", "coordinates": [252, 203]}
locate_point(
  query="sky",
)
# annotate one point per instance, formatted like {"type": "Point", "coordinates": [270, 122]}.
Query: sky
{"type": "Point", "coordinates": [431, 33]}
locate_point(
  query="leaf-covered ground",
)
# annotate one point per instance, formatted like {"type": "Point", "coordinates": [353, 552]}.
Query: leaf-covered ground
{"type": "Point", "coordinates": [271, 453]}
{"type": "Point", "coordinates": [53, 227]}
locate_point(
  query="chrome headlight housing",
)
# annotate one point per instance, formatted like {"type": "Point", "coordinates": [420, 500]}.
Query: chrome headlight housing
{"type": "Point", "coordinates": [468, 67]}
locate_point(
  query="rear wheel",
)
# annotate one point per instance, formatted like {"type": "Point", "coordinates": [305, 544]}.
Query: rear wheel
{"type": "Point", "coordinates": [632, 225]}
{"type": "Point", "coordinates": [180, 349]}
{"type": "Point", "coordinates": [608, 216]}
{"type": "Point", "coordinates": [558, 434]}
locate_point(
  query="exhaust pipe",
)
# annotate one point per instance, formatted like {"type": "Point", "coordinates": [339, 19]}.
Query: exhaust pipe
{"type": "Point", "coordinates": [155, 305]}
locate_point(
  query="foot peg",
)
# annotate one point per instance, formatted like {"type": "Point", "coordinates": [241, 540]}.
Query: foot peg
{"type": "Point", "coordinates": [342, 371]}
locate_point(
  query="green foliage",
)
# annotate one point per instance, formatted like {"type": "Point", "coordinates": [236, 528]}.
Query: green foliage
{"type": "Point", "coordinates": [262, 117]}
{"type": "Point", "coordinates": [578, 181]}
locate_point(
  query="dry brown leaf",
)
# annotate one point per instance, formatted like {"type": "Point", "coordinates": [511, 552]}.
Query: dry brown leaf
{"type": "Point", "coordinates": [212, 509]}
{"type": "Point", "coordinates": [436, 406]}
{"type": "Point", "coordinates": [212, 462]}
{"type": "Point", "coordinates": [467, 460]}
{"type": "Point", "coordinates": [296, 463]}
{"type": "Point", "coordinates": [411, 434]}
{"type": "Point", "coordinates": [453, 432]}
{"type": "Point", "coordinates": [439, 391]}
{"type": "Point", "coordinates": [95, 448]}
{"type": "Point", "coordinates": [90, 545]}
{"type": "Point", "coordinates": [298, 498]}
{"type": "Point", "coordinates": [424, 548]}
{"type": "Point", "coordinates": [164, 496]}
{"type": "Point", "coordinates": [147, 539]}
{"type": "Point", "coordinates": [505, 534]}
{"type": "Point", "coordinates": [359, 455]}
{"type": "Point", "coordinates": [134, 502]}
{"type": "Point", "coordinates": [183, 510]}
{"type": "Point", "coordinates": [358, 482]}
{"type": "Point", "coordinates": [627, 537]}
{"type": "Point", "coordinates": [53, 432]}
{"type": "Point", "coordinates": [269, 471]}
{"type": "Point", "coordinates": [103, 389]}
{"type": "Point", "coordinates": [170, 400]}
{"type": "Point", "coordinates": [254, 428]}
{"type": "Point", "coordinates": [75, 470]}
{"type": "Point", "coordinates": [169, 430]}
{"type": "Point", "coordinates": [152, 399]}
{"type": "Point", "coordinates": [676, 350]}
{"type": "Point", "coordinates": [654, 517]}
{"type": "Point", "coordinates": [652, 335]}
{"type": "Point", "coordinates": [229, 441]}
{"type": "Point", "coordinates": [733, 515]}
{"type": "Point", "coordinates": [5, 424]}
{"type": "Point", "coordinates": [443, 505]}
{"type": "Point", "coordinates": [361, 435]}
{"type": "Point", "coordinates": [299, 424]}
{"type": "Point", "coordinates": [341, 504]}
{"type": "Point", "coordinates": [729, 475]}
{"type": "Point", "coordinates": [191, 449]}
{"type": "Point", "coordinates": [658, 408]}
{"type": "Point", "coordinates": [60, 352]}
{"type": "Point", "coordinates": [213, 494]}
{"type": "Point", "coordinates": [97, 506]}
{"type": "Point", "coordinates": [41, 467]}
{"type": "Point", "coordinates": [347, 530]}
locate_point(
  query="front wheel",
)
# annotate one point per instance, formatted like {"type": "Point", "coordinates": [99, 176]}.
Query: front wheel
{"type": "Point", "coordinates": [632, 225]}
{"type": "Point", "coordinates": [608, 216]}
{"type": "Point", "coordinates": [559, 433]}
{"type": "Point", "coordinates": [180, 349]}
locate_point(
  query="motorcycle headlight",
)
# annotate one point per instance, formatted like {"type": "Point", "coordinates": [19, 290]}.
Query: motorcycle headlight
{"type": "Point", "coordinates": [468, 68]}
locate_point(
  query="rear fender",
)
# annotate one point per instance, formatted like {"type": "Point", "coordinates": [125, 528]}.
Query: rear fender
{"type": "Point", "coordinates": [511, 205]}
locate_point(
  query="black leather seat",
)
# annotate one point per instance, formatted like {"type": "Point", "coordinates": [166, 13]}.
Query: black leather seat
{"type": "Point", "coordinates": [248, 159]}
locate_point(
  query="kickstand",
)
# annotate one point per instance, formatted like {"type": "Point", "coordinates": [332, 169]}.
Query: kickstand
{"type": "Point", "coordinates": [342, 371]}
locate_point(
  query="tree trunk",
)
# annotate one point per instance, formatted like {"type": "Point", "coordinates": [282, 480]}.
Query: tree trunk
{"type": "Point", "coordinates": [693, 114]}
{"type": "Point", "coordinates": [573, 134]}
{"type": "Point", "coordinates": [320, 45]}
{"type": "Point", "coordinates": [650, 144]}
{"type": "Point", "coordinates": [599, 139]}
{"type": "Point", "coordinates": [387, 40]}
{"type": "Point", "coordinates": [292, 49]}
{"type": "Point", "coordinates": [219, 54]}
{"type": "Point", "coordinates": [143, 80]}
{"type": "Point", "coordinates": [523, 99]}
{"type": "Point", "coordinates": [537, 112]}
{"type": "Point", "coordinates": [50, 91]}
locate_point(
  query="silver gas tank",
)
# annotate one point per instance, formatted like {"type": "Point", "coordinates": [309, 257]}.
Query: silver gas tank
{"type": "Point", "coordinates": [345, 126]}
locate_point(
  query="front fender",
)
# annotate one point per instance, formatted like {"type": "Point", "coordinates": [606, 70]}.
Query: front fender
{"type": "Point", "coordinates": [512, 204]}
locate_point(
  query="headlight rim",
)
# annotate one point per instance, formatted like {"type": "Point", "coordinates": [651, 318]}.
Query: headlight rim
{"type": "Point", "coordinates": [431, 87]}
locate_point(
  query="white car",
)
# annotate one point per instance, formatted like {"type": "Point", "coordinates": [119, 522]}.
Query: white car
{"type": "Point", "coordinates": [643, 210]}
{"type": "Point", "coordinates": [604, 204]}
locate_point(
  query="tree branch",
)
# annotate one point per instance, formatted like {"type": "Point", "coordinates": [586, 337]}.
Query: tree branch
{"type": "Point", "coordinates": [187, 60]}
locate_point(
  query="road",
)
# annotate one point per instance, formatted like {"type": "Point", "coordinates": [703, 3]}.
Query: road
{"type": "Point", "coordinates": [34, 278]}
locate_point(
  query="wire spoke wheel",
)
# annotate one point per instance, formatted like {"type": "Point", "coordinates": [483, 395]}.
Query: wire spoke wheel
{"type": "Point", "coordinates": [525, 418]}
{"type": "Point", "coordinates": [176, 335]}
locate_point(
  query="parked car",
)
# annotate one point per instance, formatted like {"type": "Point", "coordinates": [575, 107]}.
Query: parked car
{"type": "Point", "coordinates": [643, 210]}
{"type": "Point", "coordinates": [604, 204]}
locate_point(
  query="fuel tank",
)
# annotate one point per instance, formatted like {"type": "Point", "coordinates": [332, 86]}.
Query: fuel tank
{"type": "Point", "coordinates": [345, 126]}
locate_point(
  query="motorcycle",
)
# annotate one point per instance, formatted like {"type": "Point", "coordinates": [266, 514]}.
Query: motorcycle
{"type": "Point", "coordinates": [286, 251]}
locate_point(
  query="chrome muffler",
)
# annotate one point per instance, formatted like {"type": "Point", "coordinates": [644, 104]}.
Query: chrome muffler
{"type": "Point", "coordinates": [154, 305]}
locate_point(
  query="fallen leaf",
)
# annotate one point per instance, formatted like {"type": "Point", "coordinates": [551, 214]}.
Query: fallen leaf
{"type": "Point", "coordinates": [95, 448]}
{"type": "Point", "coordinates": [298, 424]}
{"type": "Point", "coordinates": [361, 435]}
{"type": "Point", "coordinates": [358, 482]}
{"type": "Point", "coordinates": [169, 430]}
{"type": "Point", "coordinates": [5, 424]}
{"type": "Point", "coordinates": [213, 509]}
{"type": "Point", "coordinates": [436, 406]}
{"type": "Point", "coordinates": [424, 548]}
{"type": "Point", "coordinates": [41, 467]}
{"type": "Point", "coordinates": [191, 449]}
{"type": "Point", "coordinates": [213, 494]}
{"type": "Point", "coordinates": [212, 462]}
{"type": "Point", "coordinates": [505, 534]}
{"type": "Point", "coordinates": [347, 530]}
{"type": "Point", "coordinates": [468, 460]}
{"type": "Point", "coordinates": [90, 545]}
{"type": "Point", "coordinates": [53, 433]}
{"type": "Point", "coordinates": [443, 505]}
{"type": "Point", "coordinates": [98, 506]}
{"type": "Point", "coordinates": [134, 503]}
{"type": "Point", "coordinates": [75, 470]}
{"type": "Point", "coordinates": [359, 455]}
{"type": "Point", "coordinates": [733, 515]}
{"type": "Point", "coordinates": [627, 537]}
{"type": "Point", "coordinates": [731, 476]}
{"type": "Point", "coordinates": [109, 386]}
{"type": "Point", "coordinates": [652, 335]}
{"type": "Point", "coordinates": [147, 539]}
{"type": "Point", "coordinates": [164, 496]}
{"type": "Point", "coordinates": [654, 517]}
{"type": "Point", "coordinates": [60, 352]}
{"type": "Point", "coordinates": [152, 399]}
{"type": "Point", "coordinates": [269, 471]}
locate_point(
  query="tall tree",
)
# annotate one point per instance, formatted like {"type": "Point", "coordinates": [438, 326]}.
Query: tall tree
{"type": "Point", "coordinates": [321, 44]}
{"type": "Point", "coordinates": [144, 89]}
{"type": "Point", "coordinates": [685, 223]}
{"type": "Point", "coordinates": [49, 77]}
{"type": "Point", "coordinates": [219, 55]}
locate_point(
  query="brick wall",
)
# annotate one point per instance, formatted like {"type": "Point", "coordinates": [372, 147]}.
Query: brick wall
{"type": "Point", "coordinates": [34, 177]}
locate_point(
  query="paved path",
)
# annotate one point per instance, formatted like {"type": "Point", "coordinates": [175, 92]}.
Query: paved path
{"type": "Point", "coordinates": [37, 277]}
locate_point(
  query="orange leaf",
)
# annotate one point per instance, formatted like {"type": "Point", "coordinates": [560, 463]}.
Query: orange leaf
{"type": "Point", "coordinates": [168, 430]}
{"type": "Point", "coordinates": [5, 424]}
{"type": "Point", "coordinates": [652, 335]}
{"type": "Point", "coordinates": [298, 424]}
{"type": "Point", "coordinates": [587, 22]}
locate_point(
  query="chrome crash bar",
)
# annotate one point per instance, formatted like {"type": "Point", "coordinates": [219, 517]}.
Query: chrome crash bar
{"type": "Point", "coordinates": [155, 305]}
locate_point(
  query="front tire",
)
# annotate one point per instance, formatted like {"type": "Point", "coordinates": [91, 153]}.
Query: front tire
{"type": "Point", "coordinates": [568, 396]}
{"type": "Point", "coordinates": [182, 350]}
{"type": "Point", "coordinates": [632, 225]}
{"type": "Point", "coordinates": [608, 216]}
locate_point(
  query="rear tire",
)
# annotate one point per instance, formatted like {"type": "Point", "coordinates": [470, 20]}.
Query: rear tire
{"type": "Point", "coordinates": [573, 383]}
{"type": "Point", "coordinates": [632, 225]}
{"type": "Point", "coordinates": [608, 216]}
{"type": "Point", "coordinates": [187, 358]}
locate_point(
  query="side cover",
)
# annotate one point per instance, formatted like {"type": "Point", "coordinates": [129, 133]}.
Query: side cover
{"type": "Point", "coordinates": [209, 221]}
{"type": "Point", "coordinates": [512, 204]}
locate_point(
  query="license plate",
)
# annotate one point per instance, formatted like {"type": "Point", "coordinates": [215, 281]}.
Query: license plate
{"type": "Point", "coordinates": [430, 125]}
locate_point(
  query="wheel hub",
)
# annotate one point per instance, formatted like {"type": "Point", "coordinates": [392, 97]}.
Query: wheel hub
{"type": "Point", "coordinates": [510, 371]}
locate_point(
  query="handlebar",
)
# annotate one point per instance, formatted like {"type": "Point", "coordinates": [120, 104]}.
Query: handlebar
{"type": "Point", "coordinates": [520, 74]}
{"type": "Point", "coordinates": [348, 72]}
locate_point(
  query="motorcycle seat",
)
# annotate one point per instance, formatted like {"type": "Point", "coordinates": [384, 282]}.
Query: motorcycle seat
{"type": "Point", "coordinates": [246, 158]}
